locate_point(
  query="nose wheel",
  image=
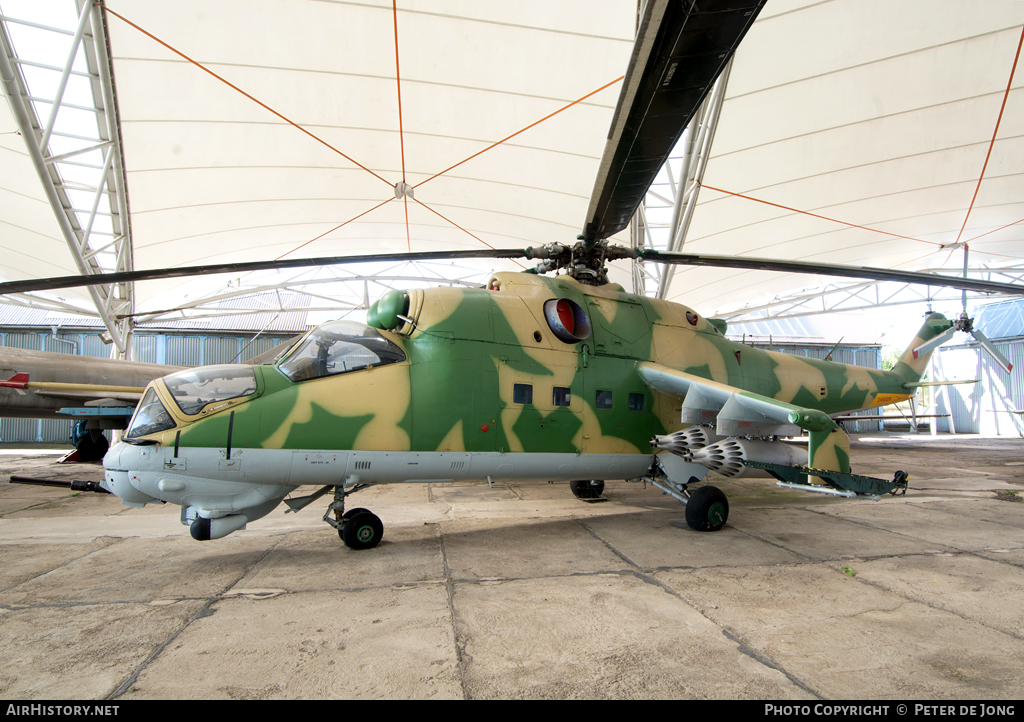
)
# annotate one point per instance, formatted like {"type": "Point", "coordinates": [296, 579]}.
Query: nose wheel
{"type": "Point", "coordinates": [359, 528]}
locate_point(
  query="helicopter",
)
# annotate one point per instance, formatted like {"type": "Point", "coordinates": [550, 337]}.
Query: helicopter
{"type": "Point", "coordinates": [564, 377]}
{"type": "Point", "coordinates": [530, 377]}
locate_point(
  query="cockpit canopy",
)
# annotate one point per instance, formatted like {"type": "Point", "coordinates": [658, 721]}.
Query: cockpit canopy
{"type": "Point", "coordinates": [338, 347]}
{"type": "Point", "coordinates": [193, 390]}
{"type": "Point", "coordinates": [332, 348]}
{"type": "Point", "coordinates": [150, 417]}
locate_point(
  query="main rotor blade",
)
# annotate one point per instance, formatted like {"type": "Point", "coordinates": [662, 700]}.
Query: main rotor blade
{"type": "Point", "coordinates": [681, 48]}
{"type": "Point", "coordinates": [50, 284]}
{"type": "Point", "coordinates": [830, 269]}
{"type": "Point", "coordinates": [614, 252]}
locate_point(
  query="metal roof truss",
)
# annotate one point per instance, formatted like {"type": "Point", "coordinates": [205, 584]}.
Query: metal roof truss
{"type": "Point", "coordinates": [92, 210]}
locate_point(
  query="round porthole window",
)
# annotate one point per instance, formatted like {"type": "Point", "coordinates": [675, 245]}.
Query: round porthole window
{"type": "Point", "coordinates": [567, 320]}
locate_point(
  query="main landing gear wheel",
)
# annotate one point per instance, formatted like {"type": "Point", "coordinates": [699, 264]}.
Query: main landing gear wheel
{"type": "Point", "coordinates": [91, 444]}
{"type": "Point", "coordinates": [90, 449]}
{"type": "Point", "coordinates": [707, 509]}
{"type": "Point", "coordinates": [587, 489]}
{"type": "Point", "coordinates": [361, 529]}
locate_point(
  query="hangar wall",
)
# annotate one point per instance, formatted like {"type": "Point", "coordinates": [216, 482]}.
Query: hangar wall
{"type": "Point", "coordinates": [989, 407]}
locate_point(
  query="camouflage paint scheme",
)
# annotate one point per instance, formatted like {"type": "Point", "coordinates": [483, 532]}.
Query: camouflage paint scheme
{"type": "Point", "coordinates": [466, 348]}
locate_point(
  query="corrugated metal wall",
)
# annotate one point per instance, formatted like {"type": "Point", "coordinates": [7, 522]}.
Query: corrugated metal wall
{"type": "Point", "coordinates": [38, 429]}
{"type": "Point", "coordinates": [986, 407]}
{"type": "Point", "coordinates": [173, 350]}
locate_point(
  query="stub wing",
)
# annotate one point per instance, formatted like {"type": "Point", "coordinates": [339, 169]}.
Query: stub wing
{"type": "Point", "coordinates": [737, 412]}
{"type": "Point", "coordinates": [733, 411]}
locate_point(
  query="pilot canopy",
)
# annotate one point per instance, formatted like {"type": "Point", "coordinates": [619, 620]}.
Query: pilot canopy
{"type": "Point", "coordinates": [338, 347]}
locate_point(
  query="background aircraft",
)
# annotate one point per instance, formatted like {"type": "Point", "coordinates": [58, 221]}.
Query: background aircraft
{"type": "Point", "coordinates": [100, 394]}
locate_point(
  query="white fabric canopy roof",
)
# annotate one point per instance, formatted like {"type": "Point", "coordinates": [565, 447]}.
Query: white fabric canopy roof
{"type": "Point", "coordinates": [875, 113]}
{"type": "Point", "coordinates": [214, 177]}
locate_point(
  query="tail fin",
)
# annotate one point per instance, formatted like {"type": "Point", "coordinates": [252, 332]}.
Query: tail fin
{"type": "Point", "coordinates": [911, 366]}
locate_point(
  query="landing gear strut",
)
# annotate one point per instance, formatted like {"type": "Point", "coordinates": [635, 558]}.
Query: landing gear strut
{"type": "Point", "coordinates": [707, 509]}
{"type": "Point", "coordinates": [359, 528]}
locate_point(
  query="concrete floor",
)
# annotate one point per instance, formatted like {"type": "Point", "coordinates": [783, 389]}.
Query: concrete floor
{"type": "Point", "coordinates": [524, 591]}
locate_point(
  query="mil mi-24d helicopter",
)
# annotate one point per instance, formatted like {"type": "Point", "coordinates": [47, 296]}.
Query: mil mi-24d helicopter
{"type": "Point", "coordinates": [531, 377]}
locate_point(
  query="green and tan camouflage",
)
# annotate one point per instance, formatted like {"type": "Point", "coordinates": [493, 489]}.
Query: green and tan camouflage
{"type": "Point", "coordinates": [530, 376]}
{"type": "Point", "coordinates": [466, 349]}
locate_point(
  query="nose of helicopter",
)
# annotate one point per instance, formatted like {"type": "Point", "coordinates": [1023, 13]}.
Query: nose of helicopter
{"type": "Point", "coordinates": [117, 465]}
{"type": "Point", "coordinates": [113, 456]}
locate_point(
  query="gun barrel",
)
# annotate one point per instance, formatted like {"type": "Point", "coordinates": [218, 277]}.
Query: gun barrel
{"type": "Point", "coordinates": [73, 485]}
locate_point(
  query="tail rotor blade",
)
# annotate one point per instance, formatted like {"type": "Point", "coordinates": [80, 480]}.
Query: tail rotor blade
{"type": "Point", "coordinates": [935, 342]}
{"type": "Point", "coordinates": [993, 352]}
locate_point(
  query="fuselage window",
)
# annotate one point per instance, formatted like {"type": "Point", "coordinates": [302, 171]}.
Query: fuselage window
{"type": "Point", "coordinates": [604, 399]}
{"type": "Point", "coordinates": [522, 394]}
{"type": "Point", "coordinates": [339, 347]}
{"type": "Point", "coordinates": [636, 402]}
{"type": "Point", "coordinates": [560, 396]}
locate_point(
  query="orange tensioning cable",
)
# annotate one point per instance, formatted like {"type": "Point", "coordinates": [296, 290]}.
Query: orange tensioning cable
{"type": "Point", "coordinates": [995, 132]}
{"type": "Point", "coordinates": [815, 215]}
{"type": "Point", "coordinates": [398, 78]}
{"type": "Point", "coordinates": [995, 231]}
{"type": "Point", "coordinates": [494, 145]}
{"type": "Point", "coordinates": [234, 87]}
{"type": "Point", "coordinates": [340, 225]}
{"type": "Point", "coordinates": [464, 230]}
{"type": "Point", "coordinates": [353, 161]}
{"type": "Point", "coordinates": [401, 130]}
{"type": "Point", "coordinates": [988, 154]}
{"type": "Point", "coordinates": [453, 223]}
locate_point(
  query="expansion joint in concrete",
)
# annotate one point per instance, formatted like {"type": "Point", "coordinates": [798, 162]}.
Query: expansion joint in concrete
{"type": "Point", "coordinates": [457, 640]}
{"type": "Point", "coordinates": [206, 611]}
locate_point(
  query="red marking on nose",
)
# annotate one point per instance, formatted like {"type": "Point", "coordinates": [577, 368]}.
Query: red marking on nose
{"type": "Point", "coordinates": [484, 428]}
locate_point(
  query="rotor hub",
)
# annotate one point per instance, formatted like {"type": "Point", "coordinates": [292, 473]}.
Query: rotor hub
{"type": "Point", "coordinates": [583, 261]}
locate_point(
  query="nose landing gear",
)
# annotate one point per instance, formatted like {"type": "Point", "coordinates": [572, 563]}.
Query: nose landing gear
{"type": "Point", "coordinates": [359, 528]}
{"type": "Point", "coordinates": [362, 530]}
